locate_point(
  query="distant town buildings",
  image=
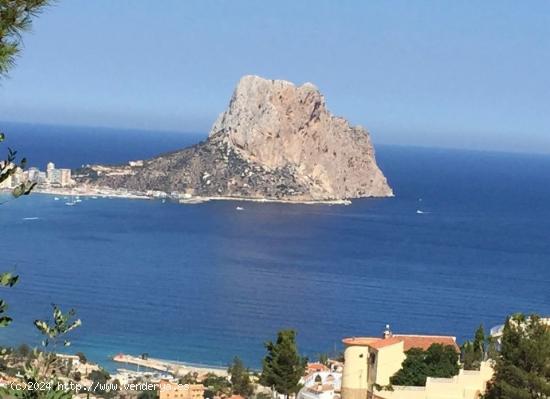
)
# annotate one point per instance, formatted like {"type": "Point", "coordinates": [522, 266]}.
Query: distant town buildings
{"type": "Point", "coordinates": [52, 177]}
{"type": "Point", "coordinates": [173, 390]}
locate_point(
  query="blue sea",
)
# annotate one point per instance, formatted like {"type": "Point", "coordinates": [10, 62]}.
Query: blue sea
{"type": "Point", "coordinates": [203, 283]}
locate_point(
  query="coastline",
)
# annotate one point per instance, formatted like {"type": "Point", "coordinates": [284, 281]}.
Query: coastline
{"type": "Point", "coordinates": [175, 368]}
{"type": "Point", "coordinates": [184, 199]}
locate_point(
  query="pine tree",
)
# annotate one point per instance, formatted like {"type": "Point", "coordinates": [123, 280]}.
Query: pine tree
{"type": "Point", "coordinates": [15, 18]}
{"type": "Point", "coordinates": [240, 378]}
{"type": "Point", "coordinates": [522, 369]}
{"type": "Point", "coordinates": [283, 366]}
{"type": "Point", "coordinates": [473, 352]}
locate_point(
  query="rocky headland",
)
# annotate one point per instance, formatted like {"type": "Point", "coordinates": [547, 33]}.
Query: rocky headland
{"type": "Point", "coordinates": [276, 141]}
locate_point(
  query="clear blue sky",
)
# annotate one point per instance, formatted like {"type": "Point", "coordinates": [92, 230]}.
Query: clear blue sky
{"type": "Point", "coordinates": [472, 74]}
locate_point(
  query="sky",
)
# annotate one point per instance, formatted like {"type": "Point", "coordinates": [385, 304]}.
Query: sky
{"type": "Point", "coordinates": [462, 74]}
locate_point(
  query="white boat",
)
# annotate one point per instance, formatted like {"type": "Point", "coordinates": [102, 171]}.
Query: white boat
{"type": "Point", "coordinates": [31, 218]}
{"type": "Point", "coordinates": [71, 202]}
{"type": "Point", "coordinates": [419, 212]}
{"type": "Point", "coordinates": [239, 208]}
{"type": "Point", "coordinates": [56, 198]}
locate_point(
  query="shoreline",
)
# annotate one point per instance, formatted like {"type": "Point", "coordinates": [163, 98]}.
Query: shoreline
{"type": "Point", "coordinates": [173, 367]}
{"type": "Point", "coordinates": [105, 192]}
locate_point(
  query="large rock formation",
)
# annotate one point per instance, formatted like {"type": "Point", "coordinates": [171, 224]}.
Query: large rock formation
{"type": "Point", "coordinates": [275, 141]}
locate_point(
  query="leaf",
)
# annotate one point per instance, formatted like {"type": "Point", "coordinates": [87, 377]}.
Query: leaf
{"type": "Point", "coordinates": [8, 279]}
{"type": "Point", "coordinates": [5, 321]}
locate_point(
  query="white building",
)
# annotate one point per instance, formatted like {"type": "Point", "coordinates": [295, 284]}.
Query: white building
{"type": "Point", "coordinates": [49, 168]}
{"type": "Point", "coordinates": [61, 177]}
{"type": "Point", "coordinates": [321, 385]}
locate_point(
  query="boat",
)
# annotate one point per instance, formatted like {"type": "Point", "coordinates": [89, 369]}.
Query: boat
{"type": "Point", "coordinates": [56, 198]}
{"type": "Point", "coordinates": [71, 202]}
{"type": "Point", "coordinates": [419, 212]}
{"type": "Point", "coordinates": [31, 218]}
{"type": "Point", "coordinates": [239, 208]}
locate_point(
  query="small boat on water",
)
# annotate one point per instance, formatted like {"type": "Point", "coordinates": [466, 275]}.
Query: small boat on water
{"type": "Point", "coordinates": [56, 198]}
{"type": "Point", "coordinates": [239, 208]}
{"type": "Point", "coordinates": [71, 202]}
{"type": "Point", "coordinates": [31, 218]}
{"type": "Point", "coordinates": [419, 212]}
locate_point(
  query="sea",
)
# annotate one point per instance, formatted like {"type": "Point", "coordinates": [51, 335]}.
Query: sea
{"type": "Point", "coordinates": [465, 241]}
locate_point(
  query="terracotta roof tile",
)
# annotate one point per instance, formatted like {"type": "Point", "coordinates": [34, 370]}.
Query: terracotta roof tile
{"type": "Point", "coordinates": [409, 341]}
{"type": "Point", "coordinates": [425, 341]}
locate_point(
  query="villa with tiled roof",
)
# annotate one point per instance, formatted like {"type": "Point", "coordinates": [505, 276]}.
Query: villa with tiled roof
{"type": "Point", "coordinates": [371, 361]}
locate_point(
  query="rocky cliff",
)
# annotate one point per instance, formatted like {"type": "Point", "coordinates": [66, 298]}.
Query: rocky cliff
{"type": "Point", "coordinates": [275, 141]}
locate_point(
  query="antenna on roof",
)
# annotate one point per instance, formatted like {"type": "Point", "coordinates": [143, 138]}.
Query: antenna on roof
{"type": "Point", "coordinates": [387, 332]}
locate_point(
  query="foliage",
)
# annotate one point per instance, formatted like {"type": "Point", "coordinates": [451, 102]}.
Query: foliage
{"type": "Point", "coordinates": [99, 380]}
{"type": "Point", "coordinates": [240, 378]}
{"type": "Point", "coordinates": [323, 359]}
{"type": "Point", "coordinates": [23, 351]}
{"type": "Point", "coordinates": [62, 324]}
{"type": "Point", "coordinates": [148, 395]}
{"type": "Point", "coordinates": [6, 280]}
{"type": "Point", "coordinates": [41, 367]}
{"type": "Point", "coordinates": [473, 352]}
{"type": "Point", "coordinates": [438, 361]}
{"type": "Point", "coordinates": [15, 18]}
{"type": "Point", "coordinates": [283, 366]}
{"type": "Point", "coordinates": [189, 378]}
{"type": "Point", "coordinates": [522, 369]}
{"type": "Point", "coordinates": [81, 357]}
{"type": "Point", "coordinates": [216, 385]}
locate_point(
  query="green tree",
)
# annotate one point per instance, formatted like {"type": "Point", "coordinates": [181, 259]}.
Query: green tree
{"type": "Point", "coordinates": [473, 352]}
{"type": "Point", "coordinates": [522, 368]}
{"type": "Point", "coordinates": [216, 385]}
{"type": "Point", "coordinates": [323, 359]}
{"type": "Point", "coordinates": [15, 18]}
{"type": "Point", "coordinates": [81, 357]}
{"type": "Point", "coordinates": [23, 351]}
{"type": "Point", "coordinates": [240, 378]}
{"type": "Point", "coordinates": [148, 395]}
{"type": "Point", "coordinates": [283, 366]}
{"type": "Point", "coordinates": [439, 361]}
{"type": "Point", "coordinates": [189, 378]}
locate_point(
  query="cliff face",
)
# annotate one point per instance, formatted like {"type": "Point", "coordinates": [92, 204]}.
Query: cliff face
{"type": "Point", "coordinates": [275, 141]}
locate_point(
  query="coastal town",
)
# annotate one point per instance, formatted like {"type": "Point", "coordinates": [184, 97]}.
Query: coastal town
{"type": "Point", "coordinates": [66, 182]}
{"type": "Point", "coordinates": [368, 368]}
{"type": "Point", "coordinates": [62, 182]}
{"type": "Point", "coordinates": [52, 177]}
